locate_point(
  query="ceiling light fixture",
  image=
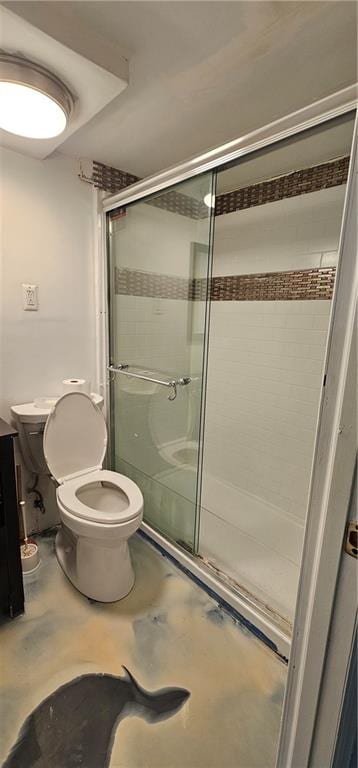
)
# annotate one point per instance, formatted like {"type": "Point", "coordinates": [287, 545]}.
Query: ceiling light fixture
{"type": "Point", "coordinates": [34, 103]}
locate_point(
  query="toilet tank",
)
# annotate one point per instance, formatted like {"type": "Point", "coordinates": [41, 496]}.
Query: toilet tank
{"type": "Point", "coordinates": [30, 420]}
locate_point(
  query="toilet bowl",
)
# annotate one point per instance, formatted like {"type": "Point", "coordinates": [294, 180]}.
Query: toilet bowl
{"type": "Point", "coordinates": [99, 509]}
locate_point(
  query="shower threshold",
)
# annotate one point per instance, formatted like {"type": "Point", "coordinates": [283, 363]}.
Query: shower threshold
{"type": "Point", "coordinates": [271, 628]}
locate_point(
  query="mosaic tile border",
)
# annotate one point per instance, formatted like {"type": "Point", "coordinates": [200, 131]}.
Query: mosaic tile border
{"type": "Point", "coordinates": [136, 282]}
{"type": "Point", "coordinates": [113, 180]}
{"type": "Point", "coordinates": [293, 285]}
{"type": "Point", "coordinates": [300, 182]}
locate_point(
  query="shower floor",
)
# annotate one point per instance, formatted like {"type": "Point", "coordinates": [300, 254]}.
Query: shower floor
{"type": "Point", "coordinates": [255, 544]}
{"type": "Point", "coordinates": [168, 633]}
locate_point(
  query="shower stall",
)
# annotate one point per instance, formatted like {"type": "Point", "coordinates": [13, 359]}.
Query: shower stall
{"type": "Point", "coordinates": [221, 277]}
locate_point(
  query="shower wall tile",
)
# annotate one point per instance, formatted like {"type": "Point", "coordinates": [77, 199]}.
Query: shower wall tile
{"type": "Point", "coordinates": [263, 389]}
{"type": "Point", "coordinates": [297, 233]}
{"type": "Point", "coordinates": [299, 182]}
{"type": "Point", "coordinates": [262, 407]}
{"type": "Point", "coordinates": [289, 285]}
{"type": "Point", "coordinates": [293, 285]}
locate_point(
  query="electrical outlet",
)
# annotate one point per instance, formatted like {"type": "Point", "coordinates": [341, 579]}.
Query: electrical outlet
{"type": "Point", "coordinates": [29, 297]}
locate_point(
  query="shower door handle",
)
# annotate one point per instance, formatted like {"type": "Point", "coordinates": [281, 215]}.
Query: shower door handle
{"type": "Point", "coordinates": [122, 368]}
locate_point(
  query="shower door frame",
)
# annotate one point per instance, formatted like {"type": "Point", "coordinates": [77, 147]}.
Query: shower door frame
{"type": "Point", "coordinates": [316, 114]}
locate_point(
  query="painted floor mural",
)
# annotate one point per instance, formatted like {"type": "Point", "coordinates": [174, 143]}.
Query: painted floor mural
{"type": "Point", "coordinates": [162, 679]}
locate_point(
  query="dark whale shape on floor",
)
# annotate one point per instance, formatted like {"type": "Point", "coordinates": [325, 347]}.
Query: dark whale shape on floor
{"type": "Point", "coordinates": [76, 725]}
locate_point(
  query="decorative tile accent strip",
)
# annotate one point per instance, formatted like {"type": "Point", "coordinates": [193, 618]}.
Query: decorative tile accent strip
{"type": "Point", "coordinates": [331, 174]}
{"type": "Point", "coordinates": [301, 182]}
{"type": "Point", "coordinates": [184, 205]}
{"type": "Point", "coordinates": [275, 286]}
{"type": "Point", "coordinates": [294, 285]}
{"type": "Point", "coordinates": [174, 202]}
{"type": "Point", "coordinates": [113, 180]}
{"type": "Point", "coordinates": [135, 282]}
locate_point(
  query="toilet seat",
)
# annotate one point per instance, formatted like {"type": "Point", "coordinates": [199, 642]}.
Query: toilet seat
{"type": "Point", "coordinates": [75, 437]}
{"type": "Point", "coordinates": [127, 505]}
{"type": "Point", "coordinates": [75, 441]}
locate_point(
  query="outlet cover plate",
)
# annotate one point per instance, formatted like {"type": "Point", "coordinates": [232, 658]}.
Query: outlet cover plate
{"type": "Point", "coordinates": [30, 297]}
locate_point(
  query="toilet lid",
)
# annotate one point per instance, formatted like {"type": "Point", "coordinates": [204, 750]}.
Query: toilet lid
{"type": "Point", "coordinates": [75, 436]}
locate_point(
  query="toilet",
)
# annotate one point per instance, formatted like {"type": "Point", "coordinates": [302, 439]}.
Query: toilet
{"type": "Point", "coordinates": [99, 509]}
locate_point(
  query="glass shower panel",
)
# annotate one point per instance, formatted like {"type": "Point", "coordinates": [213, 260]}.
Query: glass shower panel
{"type": "Point", "coordinates": [277, 225]}
{"type": "Point", "coordinates": [159, 267]}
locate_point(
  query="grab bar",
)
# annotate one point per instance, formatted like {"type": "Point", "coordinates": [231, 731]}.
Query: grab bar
{"type": "Point", "coordinates": [173, 383]}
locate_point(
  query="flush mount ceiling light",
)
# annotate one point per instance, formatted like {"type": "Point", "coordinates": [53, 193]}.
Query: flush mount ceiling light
{"type": "Point", "coordinates": [33, 102]}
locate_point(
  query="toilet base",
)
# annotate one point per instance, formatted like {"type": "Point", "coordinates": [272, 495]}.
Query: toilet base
{"type": "Point", "coordinates": [99, 570]}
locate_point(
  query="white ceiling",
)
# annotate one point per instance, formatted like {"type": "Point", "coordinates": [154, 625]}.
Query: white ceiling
{"type": "Point", "coordinates": [202, 73]}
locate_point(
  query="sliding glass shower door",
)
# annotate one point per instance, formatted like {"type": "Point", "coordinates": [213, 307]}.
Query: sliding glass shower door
{"type": "Point", "coordinates": [278, 218]}
{"type": "Point", "coordinates": [159, 269]}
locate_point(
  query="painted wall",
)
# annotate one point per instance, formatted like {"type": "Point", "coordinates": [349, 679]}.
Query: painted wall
{"type": "Point", "coordinates": [47, 239]}
{"type": "Point", "coordinates": [263, 389]}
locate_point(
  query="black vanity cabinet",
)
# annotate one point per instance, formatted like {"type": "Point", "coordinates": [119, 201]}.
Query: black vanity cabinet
{"type": "Point", "coordinates": [11, 584]}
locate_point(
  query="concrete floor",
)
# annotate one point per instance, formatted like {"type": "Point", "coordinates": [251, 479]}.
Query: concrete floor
{"type": "Point", "coordinates": [169, 633]}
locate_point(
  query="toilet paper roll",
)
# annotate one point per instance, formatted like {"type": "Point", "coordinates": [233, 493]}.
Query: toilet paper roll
{"type": "Point", "coordinates": [75, 385]}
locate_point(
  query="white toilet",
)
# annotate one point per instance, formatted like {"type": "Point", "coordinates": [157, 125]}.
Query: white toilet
{"type": "Point", "coordinates": [99, 509]}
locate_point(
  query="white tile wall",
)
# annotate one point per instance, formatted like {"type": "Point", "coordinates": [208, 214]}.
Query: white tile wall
{"type": "Point", "coordinates": [263, 389]}
{"type": "Point", "coordinates": [262, 407]}
{"type": "Point", "coordinates": [300, 232]}
{"type": "Point", "coordinates": [155, 334]}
